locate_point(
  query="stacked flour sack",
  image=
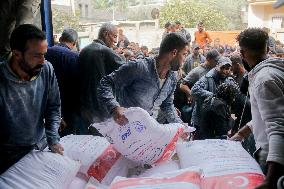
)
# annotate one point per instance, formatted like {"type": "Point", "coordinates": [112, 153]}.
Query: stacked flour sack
{"type": "Point", "coordinates": [141, 154]}
{"type": "Point", "coordinates": [143, 139]}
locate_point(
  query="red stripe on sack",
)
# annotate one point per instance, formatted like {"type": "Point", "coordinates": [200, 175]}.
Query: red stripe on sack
{"type": "Point", "coordinates": [170, 147]}
{"type": "Point", "coordinates": [103, 163]}
{"type": "Point", "coordinates": [233, 181]}
{"type": "Point", "coordinates": [187, 177]}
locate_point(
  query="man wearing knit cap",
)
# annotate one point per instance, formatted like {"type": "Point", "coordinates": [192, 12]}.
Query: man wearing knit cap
{"type": "Point", "coordinates": [207, 86]}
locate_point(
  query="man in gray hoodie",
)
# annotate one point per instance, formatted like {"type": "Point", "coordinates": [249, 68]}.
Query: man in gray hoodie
{"type": "Point", "coordinates": [266, 87]}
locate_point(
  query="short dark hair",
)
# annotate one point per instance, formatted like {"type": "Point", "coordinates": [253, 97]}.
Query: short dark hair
{"type": "Point", "coordinates": [69, 35]}
{"type": "Point", "coordinates": [172, 41]}
{"type": "Point", "coordinates": [254, 39]}
{"type": "Point", "coordinates": [213, 54]}
{"type": "Point", "coordinates": [144, 47]}
{"type": "Point", "coordinates": [168, 24]}
{"type": "Point", "coordinates": [227, 91]}
{"type": "Point", "coordinates": [236, 58]}
{"type": "Point", "coordinates": [22, 34]}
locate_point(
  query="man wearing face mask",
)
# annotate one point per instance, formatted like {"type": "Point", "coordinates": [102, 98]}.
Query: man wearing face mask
{"type": "Point", "coordinates": [266, 88]}
{"type": "Point", "coordinates": [148, 83]}
{"type": "Point", "coordinates": [207, 85]}
{"type": "Point", "coordinates": [63, 58]}
{"type": "Point", "coordinates": [95, 61]}
{"type": "Point", "coordinates": [30, 100]}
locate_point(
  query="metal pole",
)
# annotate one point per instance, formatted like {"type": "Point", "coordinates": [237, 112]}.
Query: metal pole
{"type": "Point", "coordinates": [46, 20]}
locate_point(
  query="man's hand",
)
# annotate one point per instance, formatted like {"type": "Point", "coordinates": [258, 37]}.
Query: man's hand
{"type": "Point", "coordinates": [265, 185]}
{"type": "Point", "coordinates": [274, 172]}
{"type": "Point", "coordinates": [118, 116]}
{"type": "Point", "coordinates": [237, 137]}
{"type": "Point", "coordinates": [57, 148]}
{"type": "Point", "coordinates": [62, 126]}
{"type": "Point", "coordinates": [185, 136]}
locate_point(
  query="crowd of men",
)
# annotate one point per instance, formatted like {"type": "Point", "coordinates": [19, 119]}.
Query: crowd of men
{"type": "Point", "coordinates": [50, 92]}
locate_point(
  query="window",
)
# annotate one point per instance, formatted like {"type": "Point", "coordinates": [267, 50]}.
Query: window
{"type": "Point", "coordinates": [277, 22]}
{"type": "Point", "coordinates": [86, 11]}
{"type": "Point", "coordinates": [80, 9]}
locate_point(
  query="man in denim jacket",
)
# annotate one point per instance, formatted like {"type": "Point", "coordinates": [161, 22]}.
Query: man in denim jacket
{"type": "Point", "coordinates": [148, 83]}
{"type": "Point", "coordinates": [29, 98]}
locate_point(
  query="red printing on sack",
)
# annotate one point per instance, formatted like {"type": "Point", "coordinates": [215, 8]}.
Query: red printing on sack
{"type": "Point", "coordinates": [170, 147]}
{"type": "Point", "coordinates": [103, 163]}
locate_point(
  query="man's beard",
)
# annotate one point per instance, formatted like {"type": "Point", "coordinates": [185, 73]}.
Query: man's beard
{"type": "Point", "coordinates": [174, 65]}
{"type": "Point", "coordinates": [246, 65]}
{"type": "Point", "coordinates": [30, 71]}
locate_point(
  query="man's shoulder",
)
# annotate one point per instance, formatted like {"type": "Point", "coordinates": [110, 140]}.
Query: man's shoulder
{"type": "Point", "coordinates": [145, 63]}
{"type": "Point", "coordinates": [272, 69]}
{"type": "Point", "coordinates": [198, 69]}
{"type": "Point", "coordinates": [214, 103]}
{"type": "Point", "coordinates": [62, 50]}
{"type": "Point", "coordinates": [211, 73]}
{"type": "Point", "coordinates": [47, 67]}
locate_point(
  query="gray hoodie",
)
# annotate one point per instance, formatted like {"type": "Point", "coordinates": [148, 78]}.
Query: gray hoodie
{"type": "Point", "coordinates": [267, 106]}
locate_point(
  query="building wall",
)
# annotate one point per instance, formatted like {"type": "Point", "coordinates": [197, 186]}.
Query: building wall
{"type": "Point", "coordinates": [255, 16]}
{"type": "Point", "coordinates": [270, 12]}
{"type": "Point", "coordinates": [261, 15]}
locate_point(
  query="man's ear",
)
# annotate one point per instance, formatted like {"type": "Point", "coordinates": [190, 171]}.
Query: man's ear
{"type": "Point", "coordinates": [267, 49]}
{"type": "Point", "coordinates": [17, 54]}
{"type": "Point", "coordinates": [174, 52]}
{"type": "Point", "coordinates": [105, 34]}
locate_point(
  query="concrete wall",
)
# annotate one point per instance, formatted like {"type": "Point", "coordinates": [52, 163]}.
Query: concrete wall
{"type": "Point", "coordinates": [261, 15]}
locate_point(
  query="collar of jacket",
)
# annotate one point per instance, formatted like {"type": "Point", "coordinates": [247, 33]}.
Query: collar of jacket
{"type": "Point", "coordinates": [100, 41]}
{"type": "Point", "coordinates": [63, 45]}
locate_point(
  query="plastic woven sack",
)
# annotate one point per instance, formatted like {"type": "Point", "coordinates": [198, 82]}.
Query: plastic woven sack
{"type": "Point", "coordinates": [143, 139]}
{"type": "Point", "coordinates": [97, 156]}
{"type": "Point", "coordinates": [225, 164]}
{"type": "Point", "coordinates": [45, 170]}
{"type": "Point", "coordinates": [180, 179]}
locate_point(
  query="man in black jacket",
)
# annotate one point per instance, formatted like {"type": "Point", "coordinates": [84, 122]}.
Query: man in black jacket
{"type": "Point", "coordinates": [64, 61]}
{"type": "Point", "coordinates": [215, 112]}
{"type": "Point", "coordinates": [95, 61]}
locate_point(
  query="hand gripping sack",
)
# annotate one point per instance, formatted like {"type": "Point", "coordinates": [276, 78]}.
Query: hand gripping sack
{"type": "Point", "coordinates": [143, 139]}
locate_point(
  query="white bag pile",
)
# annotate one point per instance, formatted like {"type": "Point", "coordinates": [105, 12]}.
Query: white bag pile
{"type": "Point", "coordinates": [143, 139]}
{"type": "Point", "coordinates": [225, 164]}
{"type": "Point", "coordinates": [44, 170]}
{"type": "Point", "coordinates": [97, 156]}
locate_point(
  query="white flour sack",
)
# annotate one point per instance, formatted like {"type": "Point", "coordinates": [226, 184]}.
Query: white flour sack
{"type": "Point", "coordinates": [97, 156]}
{"type": "Point", "coordinates": [143, 139]}
{"type": "Point", "coordinates": [180, 179]}
{"type": "Point", "coordinates": [167, 166]}
{"type": "Point", "coordinates": [44, 170]}
{"type": "Point", "coordinates": [225, 164]}
{"type": "Point", "coordinates": [94, 184]}
{"type": "Point", "coordinates": [77, 183]}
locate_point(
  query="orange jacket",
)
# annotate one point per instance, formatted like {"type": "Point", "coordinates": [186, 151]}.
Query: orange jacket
{"type": "Point", "coordinates": [202, 38]}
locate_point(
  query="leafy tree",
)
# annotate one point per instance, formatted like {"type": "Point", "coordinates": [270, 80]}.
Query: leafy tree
{"type": "Point", "coordinates": [231, 9]}
{"type": "Point", "coordinates": [63, 19]}
{"type": "Point", "coordinates": [104, 4]}
{"type": "Point", "coordinates": [101, 4]}
{"type": "Point", "coordinates": [190, 12]}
